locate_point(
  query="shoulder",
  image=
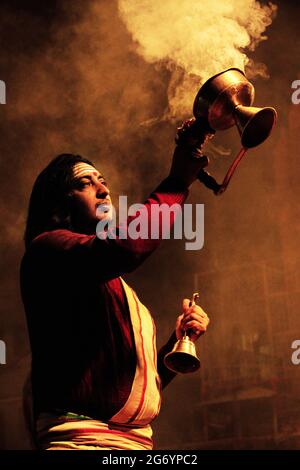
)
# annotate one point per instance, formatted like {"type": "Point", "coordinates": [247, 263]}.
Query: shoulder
{"type": "Point", "coordinates": [59, 240]}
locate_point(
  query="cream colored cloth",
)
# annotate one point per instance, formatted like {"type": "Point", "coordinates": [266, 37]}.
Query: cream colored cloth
{"type": "Point", "coordinates": [144, 401]}
{"type": "Point", "coordinates": [80, 433]}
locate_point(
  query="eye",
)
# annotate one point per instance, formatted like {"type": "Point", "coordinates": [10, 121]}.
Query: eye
{"type": "Point", "coordinates": [102, 180]}
{"type": "Point", "coordinates": [83, 183]}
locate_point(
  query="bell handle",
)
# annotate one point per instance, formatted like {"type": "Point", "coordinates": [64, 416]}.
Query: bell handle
{"type": "Point", "coordinates": [195, 296]}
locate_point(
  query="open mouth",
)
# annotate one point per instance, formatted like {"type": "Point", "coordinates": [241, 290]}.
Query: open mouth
{"type": "Point", "coordinates": [103, 208]}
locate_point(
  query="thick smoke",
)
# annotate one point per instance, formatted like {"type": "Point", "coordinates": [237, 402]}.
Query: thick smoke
{"type": "Point", "coordinates": [196, 39]}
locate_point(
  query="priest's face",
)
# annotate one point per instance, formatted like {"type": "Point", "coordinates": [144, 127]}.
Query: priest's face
{"type": "Point", "coordinates": [90, 196]}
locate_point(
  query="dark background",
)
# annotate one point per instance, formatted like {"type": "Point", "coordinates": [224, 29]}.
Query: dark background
{"type": "Point", "coordinates": [75, 84]}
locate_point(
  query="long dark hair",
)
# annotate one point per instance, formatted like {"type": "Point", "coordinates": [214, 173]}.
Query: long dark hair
{"type": "Point", "coordinates": [49, 205]}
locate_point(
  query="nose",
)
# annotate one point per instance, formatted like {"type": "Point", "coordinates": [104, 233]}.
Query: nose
{"type": "Point", "coordinates": [102, 191]}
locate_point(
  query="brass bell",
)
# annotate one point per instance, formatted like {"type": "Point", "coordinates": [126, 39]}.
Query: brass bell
{"type": "Point", "coordinates": [183, 357]}
{"type": "Point", "coordinates": [226, 100]}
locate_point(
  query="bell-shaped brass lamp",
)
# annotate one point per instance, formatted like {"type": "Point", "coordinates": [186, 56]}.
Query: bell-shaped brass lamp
{"type": "Point", "coordinates": [226, 100]}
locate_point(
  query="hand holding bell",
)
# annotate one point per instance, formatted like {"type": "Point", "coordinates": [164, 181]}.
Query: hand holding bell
{"type": "Point", "coordinates": [183, 357]}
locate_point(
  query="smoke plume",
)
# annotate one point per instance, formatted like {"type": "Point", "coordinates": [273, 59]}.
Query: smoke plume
{"type": "Point", "coordinates": [196, 39]}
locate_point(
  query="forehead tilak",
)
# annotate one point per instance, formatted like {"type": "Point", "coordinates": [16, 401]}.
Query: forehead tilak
{"type": "Point", "coordinates": [84, 169]}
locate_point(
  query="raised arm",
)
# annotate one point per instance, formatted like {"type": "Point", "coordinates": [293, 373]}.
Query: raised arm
{"type": "Point", "coordinates": [109, 254]}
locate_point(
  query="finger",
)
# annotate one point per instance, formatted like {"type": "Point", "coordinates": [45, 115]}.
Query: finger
{"type": "Point", "coordinates": [186, 124]}
{"type": "Point", "coordinates": [196, 308]}
{"type": "Point", "coordinates": [195, 325]}
{"type": "Point", "coordinates": [199, 313]}
{"type": "Point", "coordinates": [194, 336]}
{"type": "Point", "coordinates": [178, 327]}
{"type": "Point", "coordinates": [185, 305]}
{"type": "Point", "coordinates": [195, 316]}
{"type": "Point", "coordinates": [179, 320]}
{"type": "Point", "coordinates": [195, 313]}
{"type": "Point", "coordinates": [192, 323]}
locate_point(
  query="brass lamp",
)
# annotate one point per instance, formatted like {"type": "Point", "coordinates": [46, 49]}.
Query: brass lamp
{"type": "Point", "coordinates": [226, 100]}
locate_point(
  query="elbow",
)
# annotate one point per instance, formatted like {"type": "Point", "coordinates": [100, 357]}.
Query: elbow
{"type": "Point", "coordinates": [133, 260]}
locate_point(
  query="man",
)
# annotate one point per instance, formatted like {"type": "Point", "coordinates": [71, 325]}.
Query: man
{"type": "Point", "coordinates": [96, 376]}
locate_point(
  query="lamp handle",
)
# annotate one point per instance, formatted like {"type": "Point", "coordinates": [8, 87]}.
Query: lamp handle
{"type": "Point", "coordinates": [210, 182]}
